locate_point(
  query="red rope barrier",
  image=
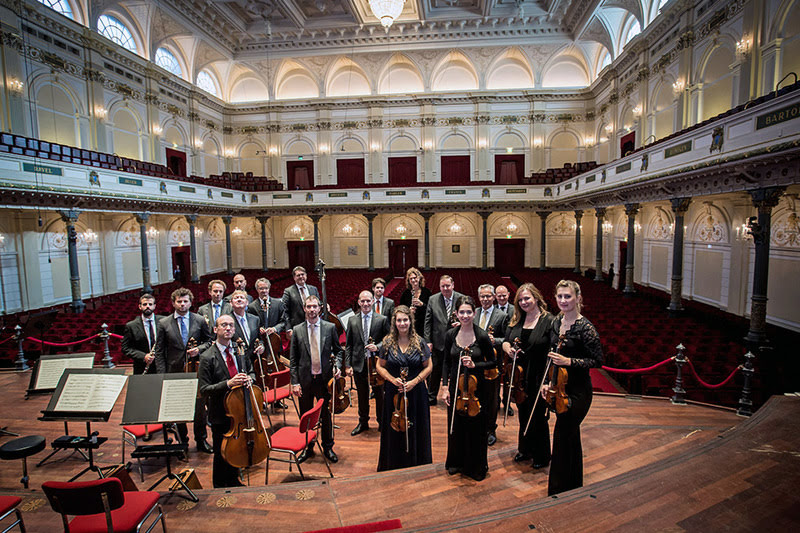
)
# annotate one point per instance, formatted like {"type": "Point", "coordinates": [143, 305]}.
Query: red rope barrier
{"type": "Point", "coordinates": [47, 343]}
{"type": "Point", "coordinates": [115, 336]}
{"type": "Point", "coordinates": [6, 339]}
{"type": "Point", "coordinates": [709, 385]}
{"type": "Point", "coordinates": [637, 370]}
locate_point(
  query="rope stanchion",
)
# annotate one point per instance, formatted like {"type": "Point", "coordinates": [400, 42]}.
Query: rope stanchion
{"type": "Point", "coordinates": [637, 370]}
{"type": "Point", "coordinates": [61, 344]}
{"type": "Point", "coordinates": [709, 385]}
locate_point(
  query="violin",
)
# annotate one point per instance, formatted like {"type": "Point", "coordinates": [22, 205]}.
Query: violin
{"type": "Point", "coordinates": [340, 398]}
{"type": "Point", "coordinates": [491, 374]}
{"type": "Point", "coordinates": [467, 402]}
{"type": "Point", "coordinates": [375, 379]}
{"type": "Point", "coordinates": [556, 396]}
{"type": "Point", "coordinates": [246, 444]}
{"type": "Point", "coordinates": [400, 422]}
{"type": "Point", "coordinates": [515, 373]}
{"type": "Point", "coordinates": [191, 365]}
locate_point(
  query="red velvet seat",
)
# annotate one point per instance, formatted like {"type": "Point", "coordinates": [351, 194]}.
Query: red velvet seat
{"type": "Point", "coordinates": [8, 505]}
{"type": "Point", "coordinates": [279, 388]}
{"type": "Point", "coordinates": [293, 440]}
{"type": "Point", "coordinates": [101, 505]}
{"type": "Point", "coordinates": [131, 434]}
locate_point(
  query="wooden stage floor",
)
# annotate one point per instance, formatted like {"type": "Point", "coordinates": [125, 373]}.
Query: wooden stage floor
{"type": "Point", "coordinates": [649, 465]}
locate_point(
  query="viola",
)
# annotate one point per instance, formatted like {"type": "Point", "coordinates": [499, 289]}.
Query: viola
{"type": "Point", "coordinates": [340, 398]}
{"type": "Point", "coordinates": [467, 402]}
{"type": "Point", "coordinates": [246, 444]}
{"type": "Point", "coordinates": [400, 414]}
{"type": "Point", "coordinates": [556, 396]}
{"type": "Point", "coordinates": [493, 373]}
{"type": "Point", "coordinates": [516, 375]}
{"type": "Point", "coordinates": [375, 379]}
{"type": "Point", "coordinates": [191, 365]}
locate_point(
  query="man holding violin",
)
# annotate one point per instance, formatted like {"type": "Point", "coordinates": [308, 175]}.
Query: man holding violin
{"type": "Point", "coordinates": [270, 311]}
{"type": "Point", "coordinates": [365, 332]}
{"type": "Point", "coordinates": [220, 371]}
{"type": "Point", "coordinates": [315, 343]}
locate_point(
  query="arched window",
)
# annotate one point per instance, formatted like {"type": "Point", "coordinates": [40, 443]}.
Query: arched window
{"type": "Point", "coordinates": [633, 30]}
{"type": "Point", "coordinates": [167, 60]}
{"type": "Point", "coordinates": [115, 30]}
{"type": "Point", "coordinates": [604, 61]}
{"type": "Point", "coordinates": [206, 82]}
{"type": "Point", "coordinates": [61, 6]}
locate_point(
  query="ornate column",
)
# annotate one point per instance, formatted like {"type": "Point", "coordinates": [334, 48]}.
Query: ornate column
{"type": "Point", "coordinates": [427, 216]}
{"type": "Point", "coordinates": [370, 217]}
{"type": "Point", "coordinates": [578, 217]}
{"type": "Point", "coordinates": [764, 200]}
{"type": "Point", "coordinates": [228, 248]}
{"type": "Point", "coordinates": [679, 207]}
{"type": "Point", "coordinates": [543, 260]}
{"type": "Point", "coordinates": [599, 213]}
{"type": "Point", "coordinates": [192, 219]}
{"type": "Point", "coordinates": [485, 255]}
{"type": "Point", "coordinates": [315, 219]}
{"type": "Point", "coordinates": [70, 217]}
{"type": "Point", "coordinates": [141, 219]}
{"type": "Point", "coordinates": [631, 210]}
{"type": "Point", "coordinates": [263, 221]}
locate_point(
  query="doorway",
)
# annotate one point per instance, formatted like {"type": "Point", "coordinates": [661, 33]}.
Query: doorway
{"type": "Point", "coordinates": [300, 175]}
{"type": "Point", "coordinates": [176, 162]}
{"type": "Point", "coordinates": [623, 263]}
{"type": "Point", "coordinates": [402, 256]}
{"type": "Point", "coordinates": [509, 256]}
{"type": "Point", "coordinates": [181, 264]}
{"type": "Point", "coordinates": [301, 253]}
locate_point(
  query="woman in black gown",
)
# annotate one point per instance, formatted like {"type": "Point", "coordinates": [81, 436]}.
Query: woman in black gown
{"type": "Point", "coordinates": [416, 297]}
{"type": "Point", "coordinates": [403, 348]}
{"type": "Point", "coordinates": [470, 345]}
{"type": "Point", "coordinates": [532, 325]}
{"type": "Point", "coordinates": [579, 352]}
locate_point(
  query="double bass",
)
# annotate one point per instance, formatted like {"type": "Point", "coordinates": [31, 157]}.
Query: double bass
{"type": "Point", "coordinates": [273, 359]}
{"type": "Point", "coordinates": [247, 443]}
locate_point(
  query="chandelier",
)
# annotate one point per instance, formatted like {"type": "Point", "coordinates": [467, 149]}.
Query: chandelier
{"type": "Point", "coordinates": [386, 10]}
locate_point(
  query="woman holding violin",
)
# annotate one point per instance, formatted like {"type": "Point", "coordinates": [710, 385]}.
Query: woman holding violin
{"type": "Point", "coordinates": [578, 350]}
{"type": "Point", "coordinates": [416, 297]}
{"type": "Point", "coordinates": [404, 362]}
{"type": "Point", "coordinates": [468, 352]}
{"type": "Point", "coordinates": [532, 325]}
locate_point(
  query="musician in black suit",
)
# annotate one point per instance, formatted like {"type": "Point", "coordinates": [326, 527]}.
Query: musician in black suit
{"type": "Point", "coordinates": [140, 336]}
{"type": "Point", "coordinates": [382, 305]}
{"type": "Point", "coordinates": [359, 347]}
{"type": "Point", "coordinates": [488, 317]}
{"type": "Point", "coordinates": [220, 371]}
{"type": "Point", "coordinates": [172, 334]}
{"type": "Point", "coordinates": [437, 322]}
{"type": "Point", "coordinates": [218, 306]}
{"type": "Point", "coordinates": [294, 297]}
{"type": "Point", "coordinates": [246, 324]}
{"type": "Point", "coordinates": [274, 319]}
{"type": "Point", "coordinates": [314, 341]}
{"type": "Point", "coordinates": [239, 284]}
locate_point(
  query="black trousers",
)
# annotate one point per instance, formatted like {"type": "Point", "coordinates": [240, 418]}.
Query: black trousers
{"type": "Point", "coordinates": [199, 424]}
{"type": "Point", "coordinates": [318, 388]}
{"type": "Point", "coordinates": [435, 379]}
{"type": "Point", "coordinates": [223, 474]}
{"type": "Point", "coordinates": [361, 380]}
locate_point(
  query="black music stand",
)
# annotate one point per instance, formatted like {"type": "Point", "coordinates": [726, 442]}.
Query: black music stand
{"type": "Point", "coordinates": [83, 395]}
{"type": "Point", "coordinates": [49, 368]}
{"type": "Point", "coordinates": [161, 399]}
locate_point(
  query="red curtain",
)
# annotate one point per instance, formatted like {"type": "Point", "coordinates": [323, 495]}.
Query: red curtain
{"type": "Point", "coordinates": [455, 170]}
{"type": "Point", "coordinates": [627, 143]}
{"type": "Point", "coordinates": [176, 162]}
{"type": "Point", "coordinates": [403, 171]}
{"type": "Point", "coordinates": [350, 172]}
{"type": "Point", "coordinates": [509, 168]}
{"type": "Point", "coordinates": [300, 174]}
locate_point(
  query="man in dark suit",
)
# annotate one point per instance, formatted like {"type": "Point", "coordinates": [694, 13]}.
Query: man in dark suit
{"type": "Point", "coordinates": [361, 346]}
{"type": "Point", "coordinates": [140, 336]}
{"type": "Point", "coordinates": [489, 317]}
{"type": "Point", "coordinates": [217, 307]}
{"type": "Point", "coordinates": [246, 324]}
{"type": "Point", "coordinates": [220, 371]}
{"type": "Point", "coordinates": [239, 284]}
{"type": "Point", "coordinates": [314, 342]}
{"type": "Point", "coordinates": [274, 319]}
{"type": "Point", "coordinates": [383, 305]}
{"type": "Point", "coordinates": [294, 297]}
{"type": "Point", "coordinates": [438, 319]}
{"type": "Point", "coordinates": [172, 335]}
{"type": "Point", "coordinates": [501, 295]}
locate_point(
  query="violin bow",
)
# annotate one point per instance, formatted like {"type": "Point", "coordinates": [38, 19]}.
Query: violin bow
{"type": "Point", "coordinates": [515, 344]}
{"type": "Point", "coordinates": [544, 377]}
{"type": "Point", "coordinates": [453, 400]}
{"type": "Point", "coordinates": [404, 377]}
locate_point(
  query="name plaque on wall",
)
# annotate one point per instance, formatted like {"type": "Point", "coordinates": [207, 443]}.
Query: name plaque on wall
{"type": "Point", "coordinates": [678, 149]}
{"type": "Point", "coordinates": [42, 169]}
{"type": "Point", "coordinates": [130, 181]}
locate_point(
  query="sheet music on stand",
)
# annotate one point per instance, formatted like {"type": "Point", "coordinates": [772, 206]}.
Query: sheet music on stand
{"type": "Point", "coordinates": [161, 399]}
{"type": "Point", "coordinates": [49, 369]}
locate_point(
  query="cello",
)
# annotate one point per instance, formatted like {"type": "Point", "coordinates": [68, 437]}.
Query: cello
{"type": "Point", "coordinates": [246, 443]}
{"type": "Point", "coordinates": [275, 361]}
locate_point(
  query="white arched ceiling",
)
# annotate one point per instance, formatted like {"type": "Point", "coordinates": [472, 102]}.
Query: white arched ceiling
{"type": "Point", "coordinates": [454, 73]}
{"type": "Point", "coordinates": [249, 90]}
{"type": "Point", "coordinates": [346, 78]}
{"type": "Point", "coordinates": [295, 81]}
{"type": "Point", "coordinates": [400, 75]}
{"type": "Point", "coordinates": [510, 71]}
{"type": "Point", "coordinates": [565, 71]}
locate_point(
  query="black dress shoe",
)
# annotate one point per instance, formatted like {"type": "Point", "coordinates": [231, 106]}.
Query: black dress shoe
{"type": "Point", "coordinates": [360, 428]}
{"type": "Point", "coordinates": [204, 446]}
{"type": "Point", "coordinates": [540, 465]}
{"type": "Point", "coordinates": [432, 402]}
{"type": "Point", "coordinates": [510, 411]}
{"type": "Point", "coordinates": [305, 455]}
{"type": "Point", "coordinates": [492, 439]}
{"type": "Point", "coordinates": [331, 456]}
{"type": "Point", "coordinates": [280, 405]}
{"type": "Point", "coordinates": [521, 457]}
{"type": "Point", "coordinates": [453, 470]}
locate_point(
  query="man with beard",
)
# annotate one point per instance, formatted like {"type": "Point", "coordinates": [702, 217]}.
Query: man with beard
{"type": "Point", "coordinates": [140, 336]}
{"type": "Point", "coordinates": [239, 284]}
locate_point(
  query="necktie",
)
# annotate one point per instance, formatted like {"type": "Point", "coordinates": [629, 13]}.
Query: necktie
{"type": "Point", "coordinates": [184, 329]}
{"type": "Point", "coordinates": [229, 361]}
{"type": "Point", "coordinates": [365, 328]}
{"type": "Point", "coordinates": [303, 294]}
{"type": "Point", "coordinates": [245, 330]}
{"type": "Point", "coordinates": [216, 313]}
{"type": "Point", "coordinates": [152, 333]}
{"type": "Point", "coordinates": [316, 361]}
{"type": "Point", "coordinates": [447, 306]}
{"type": "Point", "coordinates": [483, 319]}
{"type": "Point", "coordinates": [377, 306]}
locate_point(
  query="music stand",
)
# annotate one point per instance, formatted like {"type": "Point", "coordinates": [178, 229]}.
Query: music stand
{"type": "Point", "coordinates": [40, 321]}
{"type": "Point", "coordinates": [161, 399]}
{"type": "Point", "coordinates": [85, 395]}
{"type": "Point", "coordinates": [49, 368]}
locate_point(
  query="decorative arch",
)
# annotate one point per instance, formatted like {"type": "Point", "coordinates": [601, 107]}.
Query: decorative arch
{"type": "Point", "coordinates": [402, 139]}
{"type": "Point", "coordinates": [358, 227]}
{"type": "Point", "coordinates": [786, 226]}
{"type": "Point", "coordinates": [563, 131]}
{"type": "Point", "coordinates": [510, 70]}
{"type": "Point", "coordinates": [784, 13]}
{"type": "Point", "coordinates": [455, 140]}
{"type": "Point", "coordinates": [131, 23]}
{"type": "Point", "coordinates": [54, 236]}
{"type": "Point", "coordinates": [299, 228]}
{"type": "Point", "coordinates": [565, 70]}
{"type": "Point", "coordinates": [128, 234]}
{"type": "Point", "coordinates": [295, 81]}
{"type": "Point", "coordinates": [215, 230]}
{"type": "Point", "coordinates": [400, 75]}
{"type": "Point", "coordinates": [244, 143]}
{"type": "Point", "coordinates": [177, 231]}
{"type": "Point", "coordinates": [509, 135]}
{"type": "Point", "coordinates": [660, 225]}
{"type": "Point", "coordinates": [300, 146]}
{"type": "Point", "coordinates": [248, 88]}
{"type": "Point", "coordinates": [346, 78]}
{"type": "Point", "coordinates": [177, 54]}
{"type": "Point", "coordinates": [561, 224]}
{"type": "Point", "coordinates": [502, 225]}
{"type": "Point", "coordinates": [711, 225]}
{"type": "Point", "coordinates": [350, 144]}
{"type": "Point", "coordinates": [56, 112]}
{"type": "Point", "coordinates": [454, 72]}
{"type": "Point", "coordinates": [410, 222]}
{"type": "Point", "coordinates": [446, 226]}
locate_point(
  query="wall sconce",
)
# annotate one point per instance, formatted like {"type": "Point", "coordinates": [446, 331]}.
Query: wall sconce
{"type": "Point", "coordinates": [743, 233]}
{"type": "Point", "coordinates": [401, 230]}
{"type": "Point", "coordinates": [481, 143]}
{"type": "Point", "coordinates": [603, 139]}
{"type": "Point", "coordinates": [678, 86]}
{"type": "Point", "coordinates": [742, 49]}
{"type": "Point", "coordinates": [607, 227]}
{"type": "Point", "coordinates": [152, 233]}
{"type": "Point", "coordinates": [511, 229]}
{"type": "Point", "coordinates": [15, 86]}
{"type": "Point", "coordinates": [537, 142]}
{"type": "Point", "coordinates": [428, 145]}
{"type": "Point", "coordinates": [375, 146]}
{"type": "Point", "coordinates": [198, 143]}
{"type": "Point", "coordinates": [157, 129]}
{"type": "Point", "coordinates": [2, 240]}
{"type": "Point", "coordinates": [637, 228]}
{"type": "Point", "coordinates": [637, 111]}
{"type": "Point", "coordinates": [100, 112]}
{"type": "Point", "coordinates": [324, 149]}
{"type": "Point", "coordinates": [347, 229]}
{"type": "Point", "coordinates": [89, 236]}
{"type": "Point", "coordinates": [295, 230]}
{"type": "Point", "coordinates": [589, 140]}
{"type": "Point", "coordinates": [198, 231]}
{"type": "Point", "coordinates": [273, 150]}
{"type": "Point", "coordinates": [228, 152]}
{"type": "Point", "coordinates": [609, 128]}
{"type": "Point", "coordinates": [236, 231]}
{"type": "Point", "coordinates": [509, 150]}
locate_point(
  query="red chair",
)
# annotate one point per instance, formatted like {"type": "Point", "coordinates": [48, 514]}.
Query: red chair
{"type": "Point", "coordinates": [279, 388]}
{"type": "Point", "coordinates": [101, 505]}
{"type": "Point", "coordinates": [8, 505]}
{"type": "Point", "coordinates": [293, 440]}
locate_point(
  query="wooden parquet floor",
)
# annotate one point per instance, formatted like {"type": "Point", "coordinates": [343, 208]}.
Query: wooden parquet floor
{"type": "Point", "coordinates": [649, 466]}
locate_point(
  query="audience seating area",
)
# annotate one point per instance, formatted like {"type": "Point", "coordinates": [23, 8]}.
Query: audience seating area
{"type": "Point", "coordinates": [552, 176]}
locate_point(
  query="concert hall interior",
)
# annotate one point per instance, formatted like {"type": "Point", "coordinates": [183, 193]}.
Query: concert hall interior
{"type": "Point", "coordinates": [647, 149]}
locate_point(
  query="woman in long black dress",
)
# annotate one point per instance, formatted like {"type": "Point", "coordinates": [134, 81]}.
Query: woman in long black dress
{"type": "Point", "coordinates": [579, 352]}
{"type": "Point", "coordinates": [532, 325]}
{"type": "Point", "coordinates": [403, 348]}
{"type": "Point", "coordinates": [470, 345]}
{"type": "Point", "coordinates": [416, 297]}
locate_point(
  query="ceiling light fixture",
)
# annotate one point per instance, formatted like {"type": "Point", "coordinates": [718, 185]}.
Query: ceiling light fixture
{"type": "Point", "coordinates": [386, 10]}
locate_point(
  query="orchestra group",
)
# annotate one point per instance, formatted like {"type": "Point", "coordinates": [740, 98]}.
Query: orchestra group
{"type": "Point", "coordinates": [484, 356]}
